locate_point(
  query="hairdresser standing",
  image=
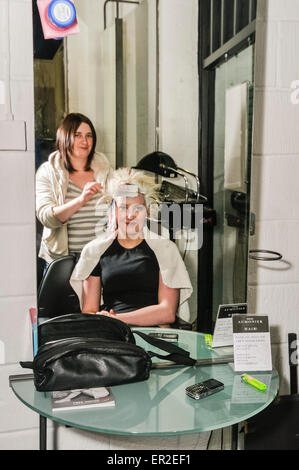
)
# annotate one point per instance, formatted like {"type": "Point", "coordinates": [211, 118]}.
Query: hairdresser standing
{"type": "Point", "coordinates": [69, 188]}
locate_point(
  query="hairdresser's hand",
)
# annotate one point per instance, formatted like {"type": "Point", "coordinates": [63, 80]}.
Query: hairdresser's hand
{"type": "Point", "coordinates": [65, 211]}
{"type": "Point", "coordinates": [89, 190]}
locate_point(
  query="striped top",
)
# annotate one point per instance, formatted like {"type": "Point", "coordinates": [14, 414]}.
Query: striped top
{"type": "Point", "coordinates": [87, 222]}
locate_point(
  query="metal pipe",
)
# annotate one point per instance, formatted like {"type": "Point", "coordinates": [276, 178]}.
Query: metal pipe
{"type": "Point", "coordinates": [198, 362]}
{"type": "Point", "coordinates": [222, 23]}
{"type": "Point", "coordinates": [198, 195]}
{"type": "Point", "coordinates": [180, 173]}
{"type": "Point", "coordinates": [119, 91]}
{"type": "Point", "coordinates": [157, 84]}
{"type": "Point", "coordinates": [117, 12]}
{"type": "Point", "coordinates": [235, 18]}
{"type": "Point", "coordinates": [211, 27]}
{"type": "Point", "coordinates": [42, 432]}
{"type": "Point", "coordinates": [250, 11]}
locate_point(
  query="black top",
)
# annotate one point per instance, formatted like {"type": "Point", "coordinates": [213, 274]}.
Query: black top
{"type": "Point", "coordinates": [129, 277]}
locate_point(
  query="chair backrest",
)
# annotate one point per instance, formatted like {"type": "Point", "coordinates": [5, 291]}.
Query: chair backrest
{"type": "Point", "coordinates": [293, 363]}
{"type": "Point", "coordinates": [55, 295]}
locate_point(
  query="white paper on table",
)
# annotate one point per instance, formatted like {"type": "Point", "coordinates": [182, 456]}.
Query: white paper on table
{"type": "Point", "coordinates": [252, 345]}
{"type": "Point", "coordinates": [223, 331]}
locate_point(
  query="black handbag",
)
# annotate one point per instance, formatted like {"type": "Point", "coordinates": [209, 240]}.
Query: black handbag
{"type": "Point", "coordinates": [84, 351]}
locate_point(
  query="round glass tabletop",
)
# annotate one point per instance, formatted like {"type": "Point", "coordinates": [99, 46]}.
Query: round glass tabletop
{"type": "Point", "coordinates": [160, 406]}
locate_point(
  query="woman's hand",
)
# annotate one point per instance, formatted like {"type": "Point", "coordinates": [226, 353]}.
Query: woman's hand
{"type": "Point", "coordinates": [111, 313]}
{"type": "Point", "coordinates": [64, 212]}
{"type": "Point", "coordinates": [89, 190]}
{"type": "Point", "coordinates": [162, 313]}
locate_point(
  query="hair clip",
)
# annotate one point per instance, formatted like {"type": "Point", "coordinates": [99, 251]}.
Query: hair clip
{"type": "Point", "coordinates": [127, 190]}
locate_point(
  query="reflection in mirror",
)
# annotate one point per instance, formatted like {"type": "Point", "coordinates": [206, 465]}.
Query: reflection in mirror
{"type": "Point", "coordinates": [232, 157]}
{"type": "Point", "coordinates": [49, 102]}
{"type": "Point", "coordinates": [137, 79]}
{"type": "Point", "coordinates": [138, 93]}
{"type": "Point", "coordinates": [226, 52]}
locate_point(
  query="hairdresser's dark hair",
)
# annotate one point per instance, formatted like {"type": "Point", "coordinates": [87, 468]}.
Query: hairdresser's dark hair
{"type": "Point", "coordinates": [65, 138]}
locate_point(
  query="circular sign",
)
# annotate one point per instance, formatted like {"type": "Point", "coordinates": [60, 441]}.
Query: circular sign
{"type": "Point", "coordinates": [62, 13]}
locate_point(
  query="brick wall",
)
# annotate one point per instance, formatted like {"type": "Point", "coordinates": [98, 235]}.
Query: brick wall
{"type": "Point", "coordinates": [274, 286]}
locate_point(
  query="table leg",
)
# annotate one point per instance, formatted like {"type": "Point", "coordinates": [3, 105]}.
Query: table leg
{"type": "Point", "coordinates": [42, 433]}
{"type": "Point", "coordinates": [234, 437]}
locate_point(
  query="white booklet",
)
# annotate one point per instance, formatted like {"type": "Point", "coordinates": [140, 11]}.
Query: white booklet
{"type": "Point", "coordinates": [82, 398]}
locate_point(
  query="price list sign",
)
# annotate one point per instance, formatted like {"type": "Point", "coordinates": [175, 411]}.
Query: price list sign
{"type": "Point", "coordinates": [223, 332]}
{"type": "Point", "coordinates": [252, 346]}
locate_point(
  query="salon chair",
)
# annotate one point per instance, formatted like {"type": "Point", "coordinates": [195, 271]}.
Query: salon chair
{"type": "Point", "coordinates": [55, 295]}
{"type": "Point", "coordinates": [277, 427]}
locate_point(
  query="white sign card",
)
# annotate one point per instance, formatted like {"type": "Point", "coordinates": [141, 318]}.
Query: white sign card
{"type": "Point", "coordinates": [223, 331]}
{"type": "Point", "coordinates": [252, 346]}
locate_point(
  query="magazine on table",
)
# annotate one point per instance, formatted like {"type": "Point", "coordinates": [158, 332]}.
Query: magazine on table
{"type": "Point", "coordinates": [82, 399]}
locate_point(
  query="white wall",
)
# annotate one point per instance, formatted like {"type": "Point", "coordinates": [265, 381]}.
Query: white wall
{"type": "Point", "coordinates": [178, 27]}
{"type": "Point", "coordinates": [92, 80]}
{"type": "Point", "coordinates": [17, 221]}
{"type": "Point", "coordinates": [274, 286]}
{"type": "Point", "coordinates": [85, 78]}
{"type": "Point", "coordinates": [179, 99]}
{"type": "Point", "coordinates": [139, 82]}
{"type": "Point", "coordinates": [91, 69]}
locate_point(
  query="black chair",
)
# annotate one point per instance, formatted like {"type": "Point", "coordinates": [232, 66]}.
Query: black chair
{"type": "Point", "coordinates": [277, 427]}
{"type": "Point", "coordinates": [55, 295]}
{"type": "Point", "coordinates": [181, 324]}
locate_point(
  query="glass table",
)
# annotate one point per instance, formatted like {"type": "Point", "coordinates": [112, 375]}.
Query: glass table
{"type": "Point", "coordinates": [160, 406]}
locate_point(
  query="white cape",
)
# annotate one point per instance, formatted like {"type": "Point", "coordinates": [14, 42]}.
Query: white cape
{"type": "Point", "coordinates": [172, 267]}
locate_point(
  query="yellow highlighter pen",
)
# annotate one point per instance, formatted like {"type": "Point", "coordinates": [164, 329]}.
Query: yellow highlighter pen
{"type": "Point", "coordinates": [254, 382]}
{"type": "Point", "coordinates": [208, 340]}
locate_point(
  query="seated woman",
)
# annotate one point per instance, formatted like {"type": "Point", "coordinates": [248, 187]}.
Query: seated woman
{"type": "Point", "coordinates": [140, 275]}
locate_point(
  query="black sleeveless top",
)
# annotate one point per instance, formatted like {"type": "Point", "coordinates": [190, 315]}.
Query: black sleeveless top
{"type": "Point", "coordinates": [129, 277]}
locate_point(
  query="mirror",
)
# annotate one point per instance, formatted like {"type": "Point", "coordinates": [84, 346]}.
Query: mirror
{"type": "Point", "coordinates": [134, 71]}
{"type": "Point", "coordinates": [226, 66]}
{"type": "Point", "coordinates": [232, 152]}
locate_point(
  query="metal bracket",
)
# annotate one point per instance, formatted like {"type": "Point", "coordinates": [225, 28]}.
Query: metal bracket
{"type": "Point", "coordinates": [19, 378]}
{"type": "Point", "coordinates": [276, 256]}
{"type": "Point", "coordinates": [117, 11]}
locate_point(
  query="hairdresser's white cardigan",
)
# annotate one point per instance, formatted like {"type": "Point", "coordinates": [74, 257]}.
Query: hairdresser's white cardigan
{"type": "Point", "coordinates": [172, 267]}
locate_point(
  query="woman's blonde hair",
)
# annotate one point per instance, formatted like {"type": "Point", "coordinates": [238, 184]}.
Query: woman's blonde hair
{"type": "Point", "coordinates": [127, 176]}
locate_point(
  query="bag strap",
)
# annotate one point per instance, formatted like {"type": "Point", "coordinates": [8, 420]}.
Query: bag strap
{"type": "Point", "coordinates": [26, 364]}
{"type": "Point", "coordinates": [176, 354]}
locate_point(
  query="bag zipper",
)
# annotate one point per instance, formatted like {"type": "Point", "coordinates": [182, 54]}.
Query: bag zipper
{"type": "Point", "coordinates": [125, 330]}
{"type": "Point", "coordinates": [66, 346]}
{"type": "Point", "coordinates": [81, 317]}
